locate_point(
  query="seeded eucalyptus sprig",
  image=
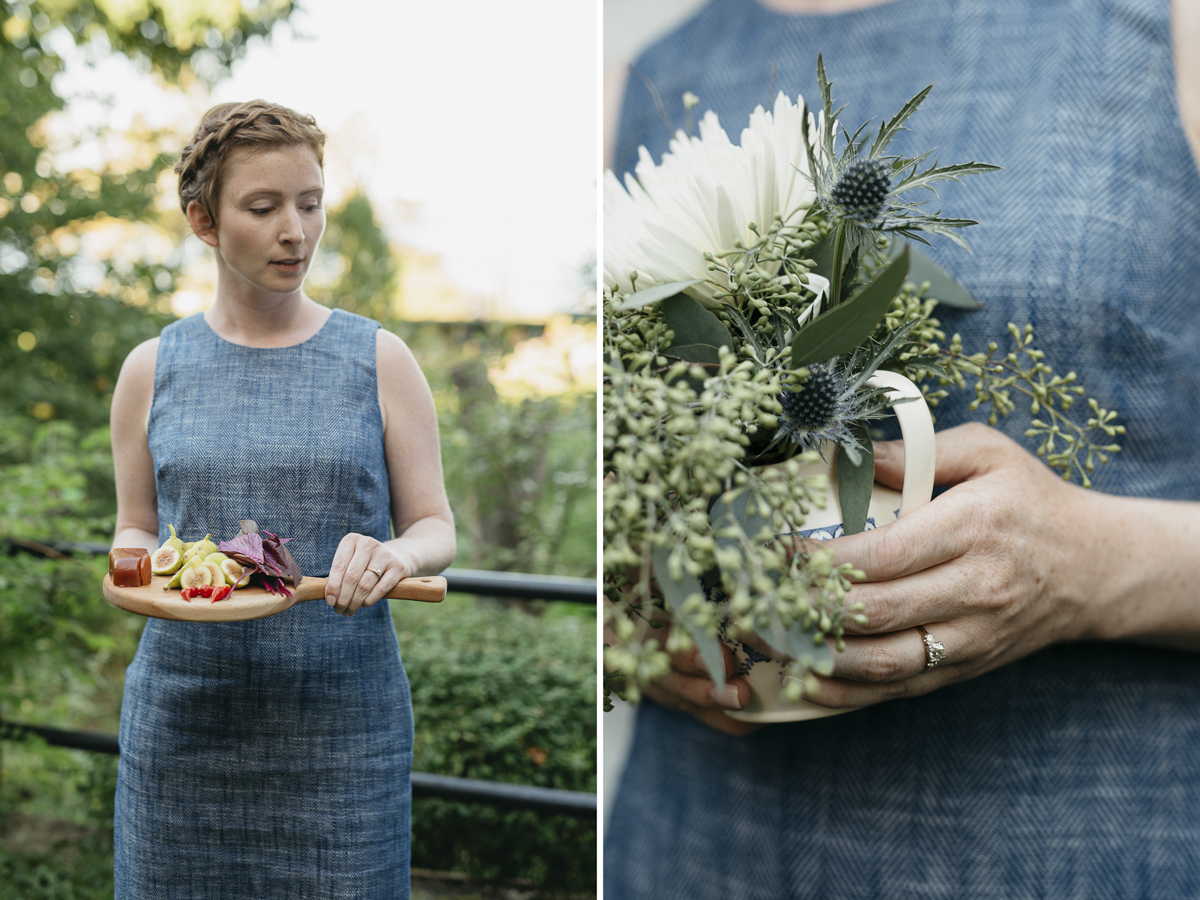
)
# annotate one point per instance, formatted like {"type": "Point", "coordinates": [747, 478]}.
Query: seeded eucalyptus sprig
{"type": "Point", "coordinates": [1066, 445]}
{"type": "Point", "coordinates": [676, 438]}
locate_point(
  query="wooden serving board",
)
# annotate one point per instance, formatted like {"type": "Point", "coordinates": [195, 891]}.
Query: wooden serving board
{"type": "Point", "coordinates": [251, 602]}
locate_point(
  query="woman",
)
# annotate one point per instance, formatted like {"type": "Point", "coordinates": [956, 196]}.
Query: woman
{"type": "Point", "coordinates": [271, 758]}
{"type": "Point", "coordinates": [1052, 753]}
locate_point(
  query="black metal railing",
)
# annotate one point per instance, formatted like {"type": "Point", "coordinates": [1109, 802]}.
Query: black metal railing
{"type": "Point", "coordinates": [511, 585]}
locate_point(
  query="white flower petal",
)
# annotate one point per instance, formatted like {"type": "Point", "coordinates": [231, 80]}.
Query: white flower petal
{"type": "Point", "coordinates": [702, 197]}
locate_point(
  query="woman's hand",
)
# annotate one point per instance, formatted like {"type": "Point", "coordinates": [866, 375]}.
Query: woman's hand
{"type": "Point", "coordinates": [1002, 564]}
{"type": "Point", "coordinates": [689, 687]}
{"type": "Point", "coordinates": [363, 571]}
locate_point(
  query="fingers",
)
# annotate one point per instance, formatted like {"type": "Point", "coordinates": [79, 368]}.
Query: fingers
{"type": "Point", "coordinates": [690, 681]}
{"type": "Point", "coordinates": [714, 717]}
{"type": "Point", "coordinates": [362, 572]}
{"type": "Point", "coordinates": [888, 657]}
{"type": "Point", "coordinates": [967, 451]}
{"type": "Point", "coordinates": [690, 662]}
{"type": "Point", "coordinates": [931, 595]}
{"type": "Point", "coordinates": [928, 536]}
{"type": "Point", "coordinates": [840, 693]}
{"type": "Point", "coordinates": [689, 688]}
{"type": "Point", "coordinates": [871, 670]}
{"type": "Point", "coordinates": [889, 463]}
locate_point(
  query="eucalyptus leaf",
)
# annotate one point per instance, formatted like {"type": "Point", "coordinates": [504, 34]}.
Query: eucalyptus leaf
{"type": "Point", "coordinates": [821, 253]}
{"type": "Point", "coordinates": [655, 294]}
{"type": "Point", "coordinates": [698, 333]}
{"type": "Point", "coordinates": [947, 291]}
{"type": "Point", "coordinates": [844, 328]}
{"type": "Point", "coordinates": [747, 330]}
{"type": "Point", "coordinates": [674, 595]}
{"type": "Point", "coordinates": [855, 480]}
{"type": "Point", "coordinates": [726, 510]}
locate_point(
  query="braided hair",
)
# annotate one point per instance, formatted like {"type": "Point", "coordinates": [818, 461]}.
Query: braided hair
{"type": "Point", "coordinates": [228, 127]}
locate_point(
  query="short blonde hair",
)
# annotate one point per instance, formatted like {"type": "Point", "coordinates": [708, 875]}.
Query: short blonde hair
{"type": "Point", "coordinates": [233, 126]}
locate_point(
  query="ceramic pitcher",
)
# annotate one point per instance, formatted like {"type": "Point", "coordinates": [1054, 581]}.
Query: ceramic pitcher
{"type": "Point", "coordinates": [766, 674]}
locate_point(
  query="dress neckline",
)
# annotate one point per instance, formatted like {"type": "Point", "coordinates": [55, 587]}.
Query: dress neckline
{"type": "Point", "coordinates": [212, 331]}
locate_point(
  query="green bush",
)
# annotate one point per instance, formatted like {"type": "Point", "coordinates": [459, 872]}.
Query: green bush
{"type": "Point", "coordinates": [502, 695]}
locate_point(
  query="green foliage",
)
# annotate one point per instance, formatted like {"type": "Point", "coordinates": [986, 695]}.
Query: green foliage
{"type": "Point", "coordinates": [501, 695]}
{"type": "Point", "coordinates": [61, 644]}
{"type": "Point", "coordinates": [843, 329]}
{"type": "Point", "coordinates": [65, 327]}
{"type": "Point", "coordinates": [520, 477]}
{"type": "Point", "coordinates": [355, 246]}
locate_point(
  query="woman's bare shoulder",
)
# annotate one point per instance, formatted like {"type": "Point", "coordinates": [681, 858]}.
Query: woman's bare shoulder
{"type": "Point", "coordinates": [135, 384]}
{"type": "Point", "coordinates": [403, 391]}
{"type": "Point", "coordinates": [139, 364]}
{"type": "Point", "coordinates": [394, 362]}
{"type": "Point", "coordinates": [1185, 33]}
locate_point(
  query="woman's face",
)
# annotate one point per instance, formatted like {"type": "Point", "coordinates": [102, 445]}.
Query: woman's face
{"type": "Point", "coordinates": [269, 218]}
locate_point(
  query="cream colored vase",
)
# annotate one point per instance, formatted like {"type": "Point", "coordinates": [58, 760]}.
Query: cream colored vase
{"type": "Point", "coordinates": [765, 674]}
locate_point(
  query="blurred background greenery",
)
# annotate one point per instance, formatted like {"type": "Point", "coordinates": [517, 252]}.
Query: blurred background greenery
{"type": "Point", "coordinates": [89, 267]}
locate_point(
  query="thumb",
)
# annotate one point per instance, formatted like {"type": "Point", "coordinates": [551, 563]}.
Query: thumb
{"type": "Point", "coordinates": [968, 451]}
{"type": "Point", "coordinates": [962, 453]}
{"type": "Point", "coordinates": [889, 463]}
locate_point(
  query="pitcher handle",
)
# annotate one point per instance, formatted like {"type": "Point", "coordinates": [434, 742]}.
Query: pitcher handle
{"type": "Point", "coordinates": [916, 426]}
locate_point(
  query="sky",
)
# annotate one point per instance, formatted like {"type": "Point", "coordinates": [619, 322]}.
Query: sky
{"type": "Point", "coordinates": [471, 124]}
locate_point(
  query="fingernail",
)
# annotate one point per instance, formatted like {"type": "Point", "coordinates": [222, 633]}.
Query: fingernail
{"type": "Point", "coordinates": [329, 599]}
{"type": "Point", "coordinates": [727, 697]}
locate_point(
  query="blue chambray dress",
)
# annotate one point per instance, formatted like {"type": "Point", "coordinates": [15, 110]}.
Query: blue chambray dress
{"type": "Point", "coordinates": [270, 758]}
{"type": "Point", "coordinates": [1074, 773]}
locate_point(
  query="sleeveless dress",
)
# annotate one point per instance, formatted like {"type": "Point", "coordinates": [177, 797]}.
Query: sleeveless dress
{"type": "Point", "coordinates": [1074, 772]}
{"type": "Point", "coordinates": [269, 758]}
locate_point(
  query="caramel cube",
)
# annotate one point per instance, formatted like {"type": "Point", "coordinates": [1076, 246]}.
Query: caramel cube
{"type": "Point", "coordinates": [129, 566]}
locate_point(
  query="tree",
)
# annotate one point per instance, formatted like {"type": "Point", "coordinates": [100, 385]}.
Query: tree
{"type": "Point", "coordinates": [65, 326]}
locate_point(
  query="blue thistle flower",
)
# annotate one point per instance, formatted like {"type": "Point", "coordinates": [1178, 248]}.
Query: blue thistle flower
{"type": "Point", "coordinates": [862, 190]}
{"type": "Point", "coordinates": [825, 407]}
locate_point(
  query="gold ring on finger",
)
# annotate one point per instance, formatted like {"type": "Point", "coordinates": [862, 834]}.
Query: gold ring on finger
{"type": "Point", "coordinates": [935, 650]}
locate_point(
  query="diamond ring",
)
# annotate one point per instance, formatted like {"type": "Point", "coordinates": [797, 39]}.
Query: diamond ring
{"type": "Point", "coordinates": [935, 650]}
{"type": "Point", "coordinates": [378, 572]}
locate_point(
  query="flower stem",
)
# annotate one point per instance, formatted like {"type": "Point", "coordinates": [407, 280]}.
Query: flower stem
{"type": "Point", "coordinates": [839, 253]}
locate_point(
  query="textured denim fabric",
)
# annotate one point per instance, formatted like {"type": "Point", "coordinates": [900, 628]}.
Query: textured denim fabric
{"type": "Point", "coordinates": [1072, 773]}
{"type": "Point", "coordinates": [268, 758]}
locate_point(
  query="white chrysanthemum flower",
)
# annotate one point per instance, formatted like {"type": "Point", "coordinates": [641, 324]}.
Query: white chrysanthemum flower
{"type": "Point", "coordinates": [703, 197]}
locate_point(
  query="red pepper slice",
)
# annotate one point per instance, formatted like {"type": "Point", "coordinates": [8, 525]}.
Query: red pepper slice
{"type": "Point", "coordinates": [221, 593]}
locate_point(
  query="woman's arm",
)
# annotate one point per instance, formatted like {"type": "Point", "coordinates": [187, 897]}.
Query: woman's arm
{"type": "Point", "coordinates": [133, 469]}
{"type": "Point", "coordinates": [421, 516]}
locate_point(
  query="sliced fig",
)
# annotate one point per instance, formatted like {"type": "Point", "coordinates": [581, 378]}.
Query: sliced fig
{"type": "Point", "coordinates": [194, 576]}
{"type": "Point", "coordinates": [166, 560]}
{"type": "Point", "coordinates": [214, 570]}
{"type": "Point", "coordinates": [234, 573]}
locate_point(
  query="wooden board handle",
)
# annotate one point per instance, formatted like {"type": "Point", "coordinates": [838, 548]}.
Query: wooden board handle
{"type": "Point", "coordinates": [428, 588]}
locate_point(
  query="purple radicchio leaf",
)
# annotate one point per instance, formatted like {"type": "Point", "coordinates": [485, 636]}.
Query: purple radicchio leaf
{"type": "Point", "coordinates": [264, 556]}
{"type": "Point", "coordinates": [276, 553]}
{"type": "Point", "coordinates": [245, 548]}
